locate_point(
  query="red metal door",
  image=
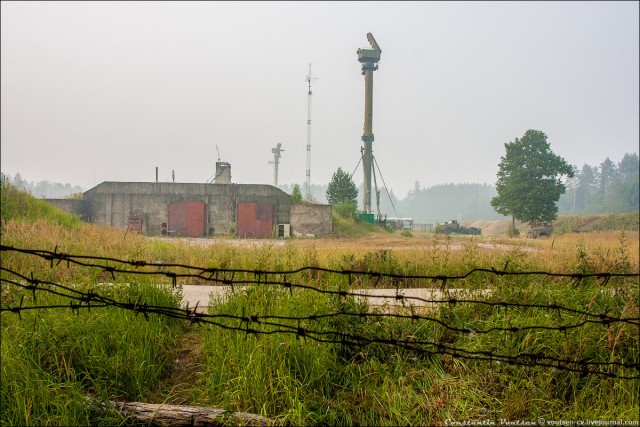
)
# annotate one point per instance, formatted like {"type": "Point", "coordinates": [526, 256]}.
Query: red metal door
{"type": "Point", "coordinates": [254, 220]}
{"type": "Point", "coordinates": [187, 219]}
{"type": "Point", "coordinates": [135, 224]}
{"type": "Point", "coordinates": [245, 218]}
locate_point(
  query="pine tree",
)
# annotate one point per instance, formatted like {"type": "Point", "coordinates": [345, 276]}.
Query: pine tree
{"type": "Point", "coordinates": [342, 193]}
{"type": "Point", "coordinates": [296, 195]}
{"type": "Point", "coordinates": [341, 188]}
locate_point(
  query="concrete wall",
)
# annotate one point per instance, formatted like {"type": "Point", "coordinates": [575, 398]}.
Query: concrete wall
{"type": "Point", "coordinates": [310, 220]}
{"type": "Point", "coordinates": [112, 203]}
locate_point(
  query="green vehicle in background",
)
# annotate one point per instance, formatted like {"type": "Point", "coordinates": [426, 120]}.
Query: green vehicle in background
{"type": "Point", "coordinates": [543, 230]}
{"type": "Point", "coordinates": [449, 227]}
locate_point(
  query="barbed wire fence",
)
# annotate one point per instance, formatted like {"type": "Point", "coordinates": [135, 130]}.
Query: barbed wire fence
{"type": "Point", "coordinates": [299, 279]}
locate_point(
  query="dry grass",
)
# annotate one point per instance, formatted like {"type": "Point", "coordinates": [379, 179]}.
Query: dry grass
{"type": "Point", "coordinates": [604, 250]}
{"type": "Point", "coordinates": [308, 382]}
{"type": "Point", "coordinates": [556, 253]}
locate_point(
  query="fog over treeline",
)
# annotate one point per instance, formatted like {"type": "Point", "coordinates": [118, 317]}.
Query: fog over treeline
{"type": "Point", "coordinates": [610, 187]}
{"type": "Point", "coordinates": [44, 189]}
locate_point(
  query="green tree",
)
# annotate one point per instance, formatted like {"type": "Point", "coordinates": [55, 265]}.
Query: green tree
{"type": "Point", "coordinates": [530, 179]}
{"type": "Point", "coordinates": [342, 192]}
{"type": "Point", "coordinates": [296, 195]}
{"type": "Point", "coordinates": [572, 184]}
{"type": "Point", "coordinates": [607, 175]}
{"type": "Point", "coordinates": [587, 187]}
{"type": "Point", "coordinates": [628, 182]}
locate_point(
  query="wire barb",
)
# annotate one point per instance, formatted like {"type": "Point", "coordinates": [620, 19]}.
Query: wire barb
{"type": "Point", "coordinates": [342, 329]}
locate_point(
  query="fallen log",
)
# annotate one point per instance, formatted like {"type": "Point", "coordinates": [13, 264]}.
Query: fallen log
{"type": "Point", "coordinates": [161, 415]}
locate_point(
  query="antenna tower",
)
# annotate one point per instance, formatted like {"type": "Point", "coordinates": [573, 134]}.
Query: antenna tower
{"type": "Point", "coordinates": [307, 183]}
{"type": "Point", "coordinates": [369, 59]}
{"type": "Point", "coordinates": [276, 161]}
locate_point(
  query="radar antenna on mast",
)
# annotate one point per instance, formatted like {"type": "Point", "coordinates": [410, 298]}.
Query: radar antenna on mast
{"type": "Point", "coordinates": [276, 161]}
{"type": "Point", "coordinates": [369, 59]}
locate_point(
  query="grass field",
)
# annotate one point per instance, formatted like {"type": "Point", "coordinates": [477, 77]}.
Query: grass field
{"type": "Point", "coordinates": [53, 359]}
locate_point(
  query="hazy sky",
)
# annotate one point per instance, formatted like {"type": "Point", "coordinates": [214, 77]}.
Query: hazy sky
{"type": "Point", "coordinates": [107, 91]}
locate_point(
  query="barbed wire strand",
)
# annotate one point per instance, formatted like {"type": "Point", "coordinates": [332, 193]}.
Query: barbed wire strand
{"type": "Point", "coordinates": [276, 324]}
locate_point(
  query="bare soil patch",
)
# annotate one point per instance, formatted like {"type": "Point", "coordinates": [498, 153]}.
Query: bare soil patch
{"type": "Point", "coordinates": [495, 228]}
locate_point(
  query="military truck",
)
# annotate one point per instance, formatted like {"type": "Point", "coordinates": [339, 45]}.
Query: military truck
{"type": "Point", "coordinates": [449, 227]}
{"type": "Point", "coordinates": [543, 230]}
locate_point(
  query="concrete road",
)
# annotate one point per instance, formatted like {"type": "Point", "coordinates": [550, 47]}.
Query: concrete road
{"type": "Point", "coordinates": [194, 294]}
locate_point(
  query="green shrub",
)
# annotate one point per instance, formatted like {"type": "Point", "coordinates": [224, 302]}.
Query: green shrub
{"type": "Point", "coordinates": [346, 209]}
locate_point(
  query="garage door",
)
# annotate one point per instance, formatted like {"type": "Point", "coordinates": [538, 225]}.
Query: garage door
{"type": "Point", "coordinates": [255, 220]}
{"type": "Point", "coordinates": [187, 219]}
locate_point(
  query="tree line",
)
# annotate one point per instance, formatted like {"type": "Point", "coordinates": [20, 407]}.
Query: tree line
{"type": "Point", "coordinates": [42, 189]}
{"type": "Point", "coordinates": [609, 187]}
{"type": "Point", "coordinates": [538, 186]}
{"type": "Point", "coordinates": [426, 205]}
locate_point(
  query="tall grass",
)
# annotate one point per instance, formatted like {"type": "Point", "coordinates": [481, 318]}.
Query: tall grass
{"type": "Point", "coordinates": [53, 359]}
{"type": "Point", "coordinates": [304, 382]}
{"type": "Point", "coordinates": [15, 203]}
{"type": "Point", "coordinates": [351, 227]}
{"type": "Point", "coordinates": [603, 222]}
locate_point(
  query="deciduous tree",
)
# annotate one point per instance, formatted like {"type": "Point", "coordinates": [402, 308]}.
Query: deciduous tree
{"type": "Point", "coordinates": [530, 179]}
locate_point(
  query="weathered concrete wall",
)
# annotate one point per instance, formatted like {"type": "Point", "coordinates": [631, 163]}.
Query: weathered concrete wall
{"type": "Point", "coordinates": [310, 220]}
{"type": "Point", "coordinates": [113, 203]}
{"type": "Point", "coordinates": [72, 206]}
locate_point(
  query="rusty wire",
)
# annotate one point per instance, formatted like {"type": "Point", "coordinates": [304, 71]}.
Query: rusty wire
{"type": "Point", "coordinates": [256, 324]}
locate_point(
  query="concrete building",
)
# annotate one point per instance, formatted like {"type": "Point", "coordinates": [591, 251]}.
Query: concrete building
{"type": "Point", "coordinates": [197, 210]}
{"type": "Point", "coordinates": [310, 220]}
{"type": "Point", "coordinates": [184, 209]}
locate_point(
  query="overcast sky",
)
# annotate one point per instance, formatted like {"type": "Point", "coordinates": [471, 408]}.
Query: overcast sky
{"type": "Point", "coordinates": [107, 91]}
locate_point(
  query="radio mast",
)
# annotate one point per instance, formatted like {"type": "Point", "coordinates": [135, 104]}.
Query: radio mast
{"type": "Point", "coordinates": [307, 184]}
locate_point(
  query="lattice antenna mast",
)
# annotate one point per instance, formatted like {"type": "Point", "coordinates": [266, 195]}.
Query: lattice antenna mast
{"type": "Point", "coordinates": [307, 183]}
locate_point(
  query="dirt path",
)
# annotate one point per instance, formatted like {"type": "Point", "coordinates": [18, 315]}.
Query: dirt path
{"type": "Point", "coordinates": [182, 384]}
